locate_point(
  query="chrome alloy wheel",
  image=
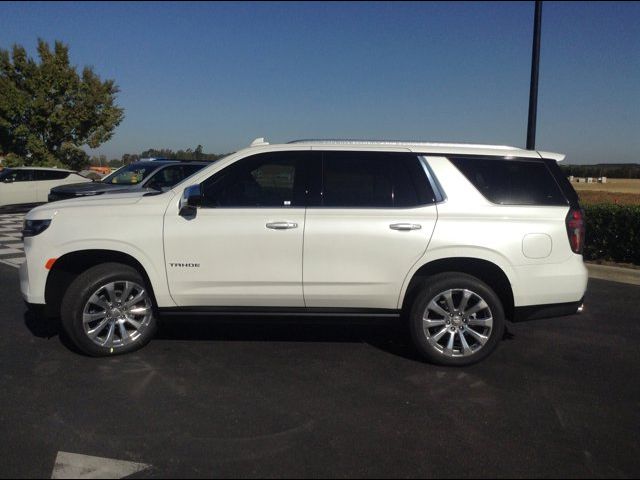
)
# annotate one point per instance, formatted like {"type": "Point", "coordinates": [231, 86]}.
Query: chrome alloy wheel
{"type": "Point", "coordinates": [117, 314]}
{"type": "Point", "coordinates": [457, 322]}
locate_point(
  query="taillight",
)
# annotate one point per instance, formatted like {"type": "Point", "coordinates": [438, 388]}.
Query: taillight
{"type": "Point", "coordinates": [576, 229]}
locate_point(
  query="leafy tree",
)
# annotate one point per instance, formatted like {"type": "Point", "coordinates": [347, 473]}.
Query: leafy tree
{"type": "Point", "coordinates": [187, 154]}
{"type": "Point", "coordinates": [129, 158]}
{"type": "Point", "coordinates": [48, 111]}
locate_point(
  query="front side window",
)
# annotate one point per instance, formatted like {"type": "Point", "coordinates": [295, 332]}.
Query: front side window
{"type": "Point", "coordinates": [373, 180]}
{"type": "Point", "coordinates": [130, 175]}
{"type": "Point", "coordinates": [10, 176]}
{"type": "Point", "coordinates": [265, 180]}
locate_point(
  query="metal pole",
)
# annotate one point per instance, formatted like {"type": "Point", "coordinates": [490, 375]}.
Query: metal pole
{"type": "Point", "coordinates": [533, 89]}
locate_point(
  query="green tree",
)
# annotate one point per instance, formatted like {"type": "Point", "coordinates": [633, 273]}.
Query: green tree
{"type": "Point", "coordinates": [48, 110]}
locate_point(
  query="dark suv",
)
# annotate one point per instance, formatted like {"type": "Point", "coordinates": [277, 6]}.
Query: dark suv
{"type": "Point", "coordinates": [146, 175]}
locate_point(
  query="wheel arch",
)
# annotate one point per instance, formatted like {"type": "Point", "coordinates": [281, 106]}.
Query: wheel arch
{"type": "Point", "coordinates": [485, 270]}
{"type": "Point", "coordinates": [67, 267]}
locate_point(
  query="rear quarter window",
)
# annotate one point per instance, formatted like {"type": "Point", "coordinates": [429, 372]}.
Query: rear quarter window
{"type": "Point", "coordinates": [511, 182]}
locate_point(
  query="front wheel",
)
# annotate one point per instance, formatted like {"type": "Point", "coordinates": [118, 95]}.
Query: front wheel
{"type": "Point", "coordinates": [108, 310]}
{"type": "Point", "coordinates": [456, 319]}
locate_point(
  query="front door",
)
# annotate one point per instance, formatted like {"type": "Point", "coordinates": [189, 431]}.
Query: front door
{"type": "Point", "coordinates": [243, 247]}
{"type": "Point", "coordinates": [18, 187]}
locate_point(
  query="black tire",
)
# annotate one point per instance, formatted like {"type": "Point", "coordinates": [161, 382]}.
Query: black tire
{"type": "Point", "coordinates": [81, 290]}
{"type": "Point", "coordinates": [431, 289]}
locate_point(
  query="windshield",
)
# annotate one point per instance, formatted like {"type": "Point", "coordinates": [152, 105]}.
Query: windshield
{"type": "Point", "coordinates": [129, 174]}
{"type": "Point", "coordinates": [6, 173]}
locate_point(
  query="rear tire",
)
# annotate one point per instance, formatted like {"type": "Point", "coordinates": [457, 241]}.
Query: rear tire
{"type": "Point", "coordinates": [109, 310]}
{"type": "Point", "coordinates": [456, 319]}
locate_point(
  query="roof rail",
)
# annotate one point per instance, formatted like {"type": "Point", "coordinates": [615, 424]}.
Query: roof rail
{"type": "Point", "coordinates": [401, 142]}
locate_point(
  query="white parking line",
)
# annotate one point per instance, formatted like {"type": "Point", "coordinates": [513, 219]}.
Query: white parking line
{"type": "Point", "coordinates": [11, 246]}
{"type": "Point", "coordinates": [75, 465]}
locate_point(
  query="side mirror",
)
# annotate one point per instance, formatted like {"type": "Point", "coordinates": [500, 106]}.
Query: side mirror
{"type": "Point", "coordinates": [190, 201]}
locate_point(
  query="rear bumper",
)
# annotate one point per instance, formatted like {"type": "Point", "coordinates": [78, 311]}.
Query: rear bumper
{"type": "Point", "coordinates": [536, 312]}
{"type": "Point", "coordinates": [555, 283]}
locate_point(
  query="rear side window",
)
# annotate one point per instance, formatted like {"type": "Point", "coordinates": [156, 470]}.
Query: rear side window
{"type": "Point", "coordinates": [189, 170]}
{"type": "Point", "coordinates": [166, 177]}
{"type": "Point", "coordinates": [373, 180]}
{"type": "Point", "coordinates": [51, 175]}
{"type": "Point", "coordinates": [511, 182]}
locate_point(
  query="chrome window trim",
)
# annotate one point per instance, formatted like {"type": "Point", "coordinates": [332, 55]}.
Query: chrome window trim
{"type": "Point", "coordinates": [438, 191]}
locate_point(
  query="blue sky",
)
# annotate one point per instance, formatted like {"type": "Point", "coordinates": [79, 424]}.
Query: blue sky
{"type": "Point", "coordinates": [221, 74]}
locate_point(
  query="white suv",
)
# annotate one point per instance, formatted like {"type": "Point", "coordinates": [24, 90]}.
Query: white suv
{"type": "Point", "coordinates": [31, 185]}
{"type": "Point", "coordinates": [455, 238]}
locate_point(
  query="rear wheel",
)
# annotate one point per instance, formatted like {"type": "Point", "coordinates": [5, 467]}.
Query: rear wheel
{"type": "Point", "coordinates": [109, 310]}
{"type": "Point", "coordinates": [456, 319]}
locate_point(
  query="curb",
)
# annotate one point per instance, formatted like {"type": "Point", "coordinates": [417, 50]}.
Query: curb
{"type": "Point", "coordinates": [614, 274]}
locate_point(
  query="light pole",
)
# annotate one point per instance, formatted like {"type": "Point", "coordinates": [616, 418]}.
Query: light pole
{"type": "Point", "coordinates": [533, 87]}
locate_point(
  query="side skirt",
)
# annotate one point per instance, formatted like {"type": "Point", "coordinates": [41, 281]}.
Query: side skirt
{"type": "Point", "coordinates": [280, 312]}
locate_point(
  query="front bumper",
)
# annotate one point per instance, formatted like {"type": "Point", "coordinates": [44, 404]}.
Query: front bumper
{"type": "Point", "coordinates": [27, 294]}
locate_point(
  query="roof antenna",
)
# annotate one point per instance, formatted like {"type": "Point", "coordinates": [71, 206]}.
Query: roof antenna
{"type": "Point", "coordinates": [258, 142]}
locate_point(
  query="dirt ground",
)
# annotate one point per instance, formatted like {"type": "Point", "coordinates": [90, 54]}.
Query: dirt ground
{"type": "Point", "coordinates": [616, 185]}
{"type": "Point", "coordinates": [621, 191]}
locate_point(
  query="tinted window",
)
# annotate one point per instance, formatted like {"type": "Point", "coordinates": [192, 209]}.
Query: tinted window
{"type": "Point", "coordinates": [511, 182]}
{"type": "Point", "coordinates": [131, 174]}
{"type": "Point", "coordinates": [189, 170]}
{"type": "Point", "coordinates": [51, 175]}
{"type": "Point", "coordinates": [568, 190]}
{"type": "Point", "coordinates": [166, 177]}
{"type": "Point", "coordinates": [373, 179]}
{"type": "Point", "coordinates": [169, 176]}
{"type": "Point", "coordinates": [17, 176]}
{"type": "Point", "coordinates": [264, 180]}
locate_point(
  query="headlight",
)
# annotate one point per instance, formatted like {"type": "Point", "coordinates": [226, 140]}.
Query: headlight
{"type": "Point", "coordinates": [32, 228]}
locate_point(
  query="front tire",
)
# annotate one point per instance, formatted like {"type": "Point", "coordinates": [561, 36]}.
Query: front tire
{"type": "Point", "coordinates": [456, 319]}
{"type": "Point", "coordinates": [109, 310]}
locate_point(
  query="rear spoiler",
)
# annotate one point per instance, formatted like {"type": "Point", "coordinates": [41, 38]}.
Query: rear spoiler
{"type": "Point", "coordinates": [558, 157]}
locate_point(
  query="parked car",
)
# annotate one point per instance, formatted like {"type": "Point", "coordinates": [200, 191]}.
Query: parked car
{"type": "Point", "coordinates": [138, 176]}
{"type": "Point", "coordinates": [31, 185]}
{"type": "Point", "coordinates": [455, 239]}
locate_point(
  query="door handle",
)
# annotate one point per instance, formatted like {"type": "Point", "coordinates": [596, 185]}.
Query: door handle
{"type": "Point", "coordinates": [282, 225]}
{"type": "Point", "coordinates": [405, 226]}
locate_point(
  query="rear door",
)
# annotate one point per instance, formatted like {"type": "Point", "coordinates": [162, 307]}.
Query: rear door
{"type": "Point", "coordinates": [46, 180]}
{"type": "Point", "coordinates": [371, 222]}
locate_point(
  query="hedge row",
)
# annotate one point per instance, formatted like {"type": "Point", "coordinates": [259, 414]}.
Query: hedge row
{"type": "Point", "coordinates": [613, 233]}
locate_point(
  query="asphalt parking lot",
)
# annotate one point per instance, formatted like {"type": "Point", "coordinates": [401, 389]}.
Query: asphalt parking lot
{"type": "Point", "coordinates": [559, 398]}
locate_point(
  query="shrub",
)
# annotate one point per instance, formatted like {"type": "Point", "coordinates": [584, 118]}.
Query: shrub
{"type": "Point", "coordinates": [613, 233]}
